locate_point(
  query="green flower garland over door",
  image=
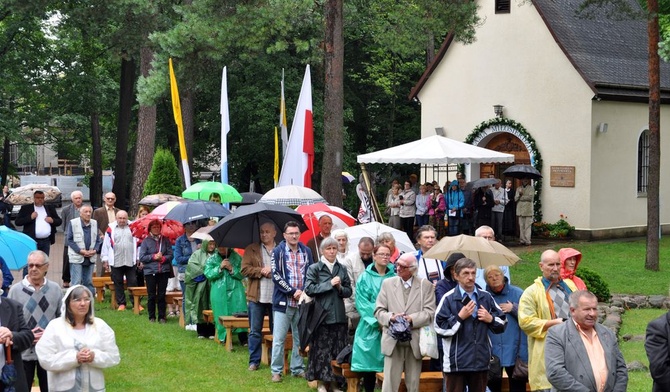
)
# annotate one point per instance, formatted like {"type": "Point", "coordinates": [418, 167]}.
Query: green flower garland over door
{"type": "Point", "coordinates": [510, 126]}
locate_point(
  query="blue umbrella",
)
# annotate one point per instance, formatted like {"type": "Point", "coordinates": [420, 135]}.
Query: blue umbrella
{"type": "Point", "coordinates": [14, 247]}
{"type": "Point", "coordinates": [9, 373]}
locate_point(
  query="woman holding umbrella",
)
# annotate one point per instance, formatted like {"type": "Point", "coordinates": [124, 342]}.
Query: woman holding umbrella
{"type": "Point", "coordinates": [328, 283]}
{"type": "Point", "coordinates": [156, 259]}
{"type": "Point", "coordinates": [367, 355]}
{"type": "Point", "coordinates": [224, 272]}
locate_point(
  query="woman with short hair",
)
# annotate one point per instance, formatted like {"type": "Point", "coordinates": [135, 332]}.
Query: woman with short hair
{"type": "Point", "coordinates": [327, 282]}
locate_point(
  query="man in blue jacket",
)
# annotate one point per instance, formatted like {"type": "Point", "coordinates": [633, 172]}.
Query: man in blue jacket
{"type": "Point", "coordinates": [463, 318]}
{"type": "Point", "coordinates": [290, 260]}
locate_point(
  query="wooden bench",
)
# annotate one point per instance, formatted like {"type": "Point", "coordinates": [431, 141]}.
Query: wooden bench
{"type": "Point", "coordinates": [141, 291]}
{"type": "Point", "coordinates": [267, 350]}
{"type": "Point", "coordinates": [208, 317]}
{"type": "Point", "coordinates": [353, 378]}
{"type": "Point", "coordinates": [429, 382]}
{"type": "Point", "coordinates": [99, 283]}
{"type": "Point", "coordinates": [344, 370]}
{"type": "Point", "coordinates": [110, 287]}
{"type": "Point", "coordinates": [232, 322]}
{"type": "Point", "coordinates": [179, 302]}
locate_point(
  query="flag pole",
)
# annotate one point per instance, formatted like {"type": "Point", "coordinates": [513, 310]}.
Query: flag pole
{"type": "Point", "coordinates": [176, 109]}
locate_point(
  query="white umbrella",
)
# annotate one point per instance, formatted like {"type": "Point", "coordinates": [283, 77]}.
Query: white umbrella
{"type": "Point", "coordinates": [203, 233]}
{"type": "Point", "coordinates": [373, 230]}
{"type": "Point", "coordinates": [292, 195]}
{"type": "Point", "coordinates": [24, 194]}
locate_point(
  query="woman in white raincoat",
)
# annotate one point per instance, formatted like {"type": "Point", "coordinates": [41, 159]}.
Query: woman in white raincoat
{"type": "Point", "coordinates": [75, 347]}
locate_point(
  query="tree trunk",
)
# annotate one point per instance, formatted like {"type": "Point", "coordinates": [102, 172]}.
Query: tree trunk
{"type": "Point", "coordinates": [430, 48]}
{"type": "Point", "coordinates": [126, 100]}
{"type": "Point", "coordinates": [187, 117]}
{"type": "Point", "coordinates": [653, 224]}
{"type": "Point", "coordinates": [333, 113]}
{"type": "Point", "coordinates": [5, 162]}
{"type": "Point", "coordinates": [96, 161]}
{"type": "Point", "coordinates": [146, 139]}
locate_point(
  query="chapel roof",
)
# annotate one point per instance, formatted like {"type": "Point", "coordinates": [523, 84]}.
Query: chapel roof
{"type": "Point", "coordinates": [610, 55]}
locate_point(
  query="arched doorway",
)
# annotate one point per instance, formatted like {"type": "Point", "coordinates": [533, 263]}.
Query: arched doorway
{"type": "Point", "coordinates": [507, 143]}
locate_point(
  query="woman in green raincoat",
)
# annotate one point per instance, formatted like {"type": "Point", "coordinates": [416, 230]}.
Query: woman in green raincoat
{"type": "Point", "coordinates": [197, 289]}
{"type": "Point", "coordinates": [227, 295]}
{"type": "Point", "coordinates": [367, 355]}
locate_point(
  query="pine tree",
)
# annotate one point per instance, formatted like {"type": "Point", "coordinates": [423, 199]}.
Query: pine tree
{"type": "Point", "coordinates": [164, 175]}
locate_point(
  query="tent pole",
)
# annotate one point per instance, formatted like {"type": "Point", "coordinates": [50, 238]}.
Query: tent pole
{"type": "Point", "coordinates": [373, 199]}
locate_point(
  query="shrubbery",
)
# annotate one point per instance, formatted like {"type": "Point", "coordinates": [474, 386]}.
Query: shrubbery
{"type": "Point", "coordinates": [164, 176]}
{"type": "Point", "coordinates": [595, 283]}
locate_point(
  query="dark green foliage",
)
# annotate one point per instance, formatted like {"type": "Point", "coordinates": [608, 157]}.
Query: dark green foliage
{"type": "Point", "coordinates": [595, 283]}
{"type": "Point", "coordinates": [164, 176]}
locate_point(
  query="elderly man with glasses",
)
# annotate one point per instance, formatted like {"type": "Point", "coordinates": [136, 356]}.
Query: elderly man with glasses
{"type": "Point", "coordinates": [413, 299]}
{"type": "Point", "coordinates": [104, 216]}
{"type": "Point", "coordinates": [41, 299]}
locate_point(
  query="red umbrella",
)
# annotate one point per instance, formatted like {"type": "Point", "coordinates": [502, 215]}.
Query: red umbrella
{"type": "Point", "coordinates": [171, 228]}
{"type": "Point", "coordinates": [313, 212]}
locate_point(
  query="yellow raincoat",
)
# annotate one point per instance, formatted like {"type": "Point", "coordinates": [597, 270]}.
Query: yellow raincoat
{"type": "Point", "coordinates": [534, 312]}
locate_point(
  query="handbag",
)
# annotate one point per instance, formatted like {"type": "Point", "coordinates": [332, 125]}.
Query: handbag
{"type": "Point", "coordinates": [520, 369]}
{"type": "Point", "coordinates": [495, 370]}
{"type": "Point", "coordinates": [428, 338]}
{"type": "Point", "coordinates": [520, 366]}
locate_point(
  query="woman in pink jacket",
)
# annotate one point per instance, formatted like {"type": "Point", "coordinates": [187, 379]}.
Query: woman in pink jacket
{"type": "Point", "coordinates": [570, 259]}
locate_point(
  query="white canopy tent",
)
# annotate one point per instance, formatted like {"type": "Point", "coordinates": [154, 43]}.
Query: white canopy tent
{"type": "Point", "coordinates": [436, 150]}
{"type": "Point", "coordinates": [432, 150]}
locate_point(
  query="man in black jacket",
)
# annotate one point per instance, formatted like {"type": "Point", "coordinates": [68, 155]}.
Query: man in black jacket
{"type": "Point", "coordinates": [657, 345]}
{"type": "Point", "coordinates": [39, 222]}
{"type": "Point", "coordinates": [14, 330]}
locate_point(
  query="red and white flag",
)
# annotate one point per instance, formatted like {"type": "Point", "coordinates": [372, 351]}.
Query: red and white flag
{"type": "Point", "coordinates": [299, 158]}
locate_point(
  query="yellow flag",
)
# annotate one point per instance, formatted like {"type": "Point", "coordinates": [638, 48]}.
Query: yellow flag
{"type": "Point", "coordinates": [276, 173]}
{"type": "Point", "coordinates": [176, 108]}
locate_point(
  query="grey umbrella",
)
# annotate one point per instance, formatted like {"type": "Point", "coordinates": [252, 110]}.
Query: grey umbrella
{"type": "Point", "coordinates": [480, 183]}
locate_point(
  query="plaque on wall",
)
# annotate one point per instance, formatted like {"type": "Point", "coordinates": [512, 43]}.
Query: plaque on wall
{"type": "Point", "coordinates": [562, 176]}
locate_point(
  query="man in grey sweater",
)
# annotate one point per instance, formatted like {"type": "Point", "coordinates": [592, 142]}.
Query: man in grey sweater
{"type": "Point", "coordinates": [41, 300]}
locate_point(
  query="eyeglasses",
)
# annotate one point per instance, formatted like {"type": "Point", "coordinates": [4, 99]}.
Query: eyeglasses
{"type": "Point", "coordinates": [400, 266]}
{"type": "Point", "coordinates": [31, 265]}
{"type": "Point", "coordinates": [111, 198]}
{"type": "Point", "coordinates": [384, 255]}
{"type": "Point", "coordinates": [293, 234]}
{"type": "Point", "coordinates": [79, 300]}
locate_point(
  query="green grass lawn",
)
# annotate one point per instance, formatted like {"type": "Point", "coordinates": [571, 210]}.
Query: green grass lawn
{"type": "Point", "coordinates": [166, 358]}
{"type": "Point", "coordinates": [620, 263]}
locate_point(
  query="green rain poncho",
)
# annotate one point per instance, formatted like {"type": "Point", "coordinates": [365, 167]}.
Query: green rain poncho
{"type": "Point", "coordinates": [196, 297]}
{"type": "Point", "coordinates": [227, 289]}
{"type": "Point", "coordinates": [367, 353]}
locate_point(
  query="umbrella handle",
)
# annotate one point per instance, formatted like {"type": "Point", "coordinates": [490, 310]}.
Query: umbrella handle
{"type": "Point", "coordinates": [8, 354]}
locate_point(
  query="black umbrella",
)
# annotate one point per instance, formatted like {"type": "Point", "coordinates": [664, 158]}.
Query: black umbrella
{"type": "Point", "coordinates": [400, 330]}
{"type": "Point", "coordinates": [523, 171]}
{"type": "Point", "coordinates": [242, 227]}
{"type": "Point", "coordinates": [8, 375]}
{"type": "Point", "coordinates": [193, 210]}
{"type": "Point", "coordinates": [248, 198]}
{"type": "Point", "coordinates": [310, 316]}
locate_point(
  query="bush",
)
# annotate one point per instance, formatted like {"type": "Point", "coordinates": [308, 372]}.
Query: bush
{"type": "Point", "coordinates": [595, 283]}
{"type": "Point", "coordinates": [560, 229]}
{"type": "Point", "coordinates": [164, 176]}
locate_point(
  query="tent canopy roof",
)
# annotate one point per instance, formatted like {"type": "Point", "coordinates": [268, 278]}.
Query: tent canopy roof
{"type": "Point", "coordinates": [436, 150]}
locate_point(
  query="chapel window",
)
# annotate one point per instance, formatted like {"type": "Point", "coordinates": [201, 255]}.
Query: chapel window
{"type": "Point", "coordinates": [502, 6]}
{"type": "Point", "coordinates": [643, 162]}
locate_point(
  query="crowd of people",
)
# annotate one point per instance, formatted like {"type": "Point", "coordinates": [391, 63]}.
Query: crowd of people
{"type": "Point", "coordinates": [461, 207]}
{"type": "Point", "coordinates": [376, 298]}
